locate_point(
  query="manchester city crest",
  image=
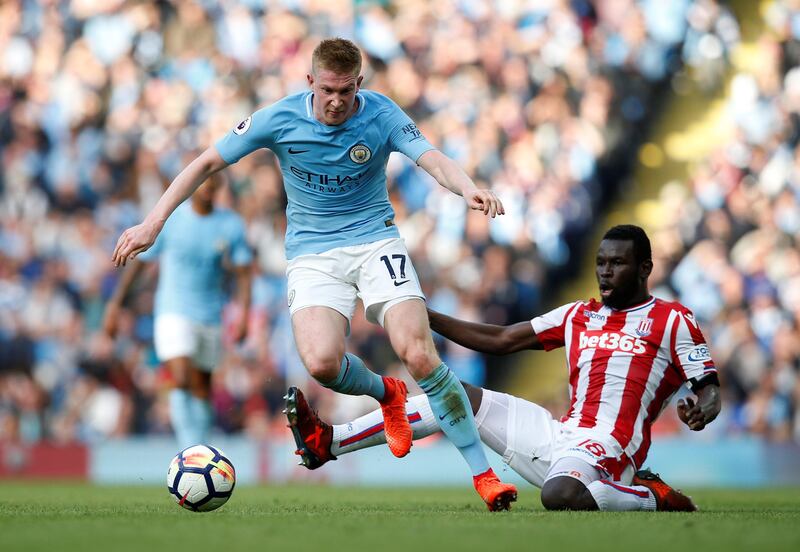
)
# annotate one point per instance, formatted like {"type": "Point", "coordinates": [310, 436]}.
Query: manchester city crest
{"type": "Point", "coordinates": [360, 154]}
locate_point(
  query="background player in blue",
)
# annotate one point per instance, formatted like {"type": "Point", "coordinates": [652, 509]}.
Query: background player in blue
{"type": "Point", "coordinates": [333, 143]}
{"type": "Point", "coordinates": [195, 247]}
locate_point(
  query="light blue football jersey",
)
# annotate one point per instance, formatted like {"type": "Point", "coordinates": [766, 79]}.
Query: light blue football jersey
{"type": "Point", "coordinates": [191, 249]}
{"type": "Point", "coordinates": [335, 176]}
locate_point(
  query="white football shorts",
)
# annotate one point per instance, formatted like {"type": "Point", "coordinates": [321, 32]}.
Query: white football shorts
{"type": "Point", "coordinates": [532, 442]}
{"type": "Point", "coordinates": [177, 336]}
{"type": "Point", "coordinates": [380, 273]}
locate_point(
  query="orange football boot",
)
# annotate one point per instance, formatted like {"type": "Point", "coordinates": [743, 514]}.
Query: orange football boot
{"type": "Point", "coordinates": [395, 420]}
{"type": "Point", "coordinates": [667, 498]}
{"type": "Point", "coordinates": [496, 494]}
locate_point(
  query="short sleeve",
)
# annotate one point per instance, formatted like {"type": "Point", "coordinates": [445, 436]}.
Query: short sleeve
{"type": "Point", "coordinates": [690, 352]}
{"type": "Point", "coordinates": [404, 136]}
{"type": "Point", "coordinates": [550, 327]}
{"type": "Point", "coordinates": [256, 132]}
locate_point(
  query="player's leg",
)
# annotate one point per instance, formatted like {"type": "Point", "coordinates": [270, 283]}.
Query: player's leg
{"type": "Point", "coordinates": [200, 402]}
{"type": "Point", "coordinates": [579, 481]}
{"type": "Point", "coordinates": [180, 402]}
{"type": "Point", "coordinates": [566, 485]}
{"type": "Point", "coordinates": [319, 334]}
{"type": "Point", "coordinates": [574, 484]}
{"type": "Point", "coordinates": [406, 323]}
{"type": "Point", "coordinates": [319, 442]}
{"type": "Point", "coordinates": [367, 430]}
{"type": "Point", "coordinates": [322, 298]}
{"type": "Point", "coordinates": [206, 358]}
{"type": "Point", "coordinates": [176, 343]}
{"type": "Point", "coordinates": [332, 280]}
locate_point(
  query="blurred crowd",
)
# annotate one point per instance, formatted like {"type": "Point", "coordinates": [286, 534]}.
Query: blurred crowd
{"type": "Point", "coordinates": [727, 244]}
{"type": "Point", "coordinates": [102, 102]}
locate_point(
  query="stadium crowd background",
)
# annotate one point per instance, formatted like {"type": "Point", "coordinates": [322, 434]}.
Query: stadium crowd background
{"type": "Point", "coordinates": [102, 102]}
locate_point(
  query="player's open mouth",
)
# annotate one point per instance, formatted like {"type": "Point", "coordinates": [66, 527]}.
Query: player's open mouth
{"type": "Point", "coordinates": [606, 290]}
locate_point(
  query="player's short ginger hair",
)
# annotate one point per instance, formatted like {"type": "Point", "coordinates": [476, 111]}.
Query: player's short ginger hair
{"type": "Point", "coordinates": [338, 55]}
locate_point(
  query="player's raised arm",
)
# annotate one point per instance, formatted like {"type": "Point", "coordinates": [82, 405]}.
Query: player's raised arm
{"type": "Point", "coordinates": [485, 338]}
{"type": "Point", "coordinates": [139, 238]}
{"type": "Point", "coordinates": [448, 174]}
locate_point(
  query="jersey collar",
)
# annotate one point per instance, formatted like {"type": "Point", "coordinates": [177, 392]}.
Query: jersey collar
{"type": "Point", "coordinates": [646, 303]}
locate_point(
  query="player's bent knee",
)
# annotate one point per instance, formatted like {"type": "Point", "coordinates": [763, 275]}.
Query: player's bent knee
{"type": "Point", "coordinates": [180, 368]}
{"type": "Point", "coordinates": [566, 493]}
{"type": "Point", "coordinates": [420, 362]}
{"type": "Point", "coordinates": [323, 369]}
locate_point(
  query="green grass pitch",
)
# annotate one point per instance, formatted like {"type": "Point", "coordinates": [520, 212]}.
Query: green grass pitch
{"type": "Point", "coordinates": [65, 517]}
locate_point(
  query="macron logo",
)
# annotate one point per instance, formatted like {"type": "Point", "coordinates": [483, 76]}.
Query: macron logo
{"type": "Point", "coordinates": [591, 315]}
{"type": "Point", "coordinates": [611, 341]}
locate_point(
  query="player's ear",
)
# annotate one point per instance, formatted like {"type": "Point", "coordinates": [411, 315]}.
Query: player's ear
{"type": "Point", "coordinates": [359, 80]}
{"type": "Point", "coordinates": [310, 79]}
{"type": "Point", "coordinates": [645, 268]}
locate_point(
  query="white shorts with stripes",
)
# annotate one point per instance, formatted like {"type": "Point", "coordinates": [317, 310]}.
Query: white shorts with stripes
{"type": "Point", "coordinates": [538, 447]}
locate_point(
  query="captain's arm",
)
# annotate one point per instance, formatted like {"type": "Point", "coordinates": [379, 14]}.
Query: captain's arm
{"type": "Point", "coordinates": [485, 338]}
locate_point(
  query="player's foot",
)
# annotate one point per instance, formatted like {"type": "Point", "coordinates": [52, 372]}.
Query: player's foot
{"type": "Point", "coordinates": [395, 420]}
{"type": "Point", "coordinates": [667, 498]}
{"type": "Point", "coordinates": [496, 494]}
{"type": "Point", "coordinates": [312, 436]}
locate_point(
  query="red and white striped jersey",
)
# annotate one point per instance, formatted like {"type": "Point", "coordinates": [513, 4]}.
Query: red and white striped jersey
{"type": "Point", "coordinates": [625, 365]}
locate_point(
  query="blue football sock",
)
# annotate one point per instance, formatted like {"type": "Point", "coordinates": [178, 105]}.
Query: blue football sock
{"type": "Point", "coordinates": [451, 406]}
{"type": "Point", "coordinates": [181, 416]}
{"type": "Point", "coordinates": [356, 379]}
{"type": "Point", "coordinates": [202, 417]}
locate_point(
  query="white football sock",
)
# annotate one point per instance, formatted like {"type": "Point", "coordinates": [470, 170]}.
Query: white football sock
{"type": "Point", "coordinates": [614, 497]}
{"type": "Point", "coordinates": [367, 431]}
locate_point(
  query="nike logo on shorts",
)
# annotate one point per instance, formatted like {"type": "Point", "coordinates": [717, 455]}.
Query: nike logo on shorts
{"type": "Point", "coordinates": [396, 284]}
{"type": "Point", "coordinates": [293, 151]}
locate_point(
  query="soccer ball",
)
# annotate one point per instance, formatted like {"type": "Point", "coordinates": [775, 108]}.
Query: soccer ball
{"type": "Point", "coordinates": [201, 478]}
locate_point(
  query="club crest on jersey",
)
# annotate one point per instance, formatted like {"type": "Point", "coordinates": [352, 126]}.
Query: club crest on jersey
{"type": "Point", "coordinates": [243, 127]}
{"type": "Point", "coordinates": [645, 327]}
{"type": "Point", "coordinates": [360, 154]}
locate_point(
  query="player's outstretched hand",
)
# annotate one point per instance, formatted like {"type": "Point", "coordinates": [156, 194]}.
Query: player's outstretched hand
{"type": "Point", "coordinates": [486, 201]}
{"type": "Point", "coordinates": [133, 241]}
